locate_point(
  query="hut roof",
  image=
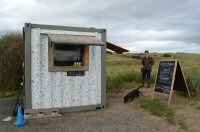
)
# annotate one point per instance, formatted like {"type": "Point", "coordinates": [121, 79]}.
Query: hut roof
{"type": "Point", "coordinates": [116, 48]}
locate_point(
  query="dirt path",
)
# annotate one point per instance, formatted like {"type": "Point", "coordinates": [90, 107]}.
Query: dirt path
{"type": "Point", "coordinates": [192, 118]}
{"type": "Point", "coordinates": [117, 117]}
{"type": "Point", "coordinates": [183, 109]}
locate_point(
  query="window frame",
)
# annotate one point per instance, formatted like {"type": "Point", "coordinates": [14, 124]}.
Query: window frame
{"type": "Point", "coordinates": [53, 68]}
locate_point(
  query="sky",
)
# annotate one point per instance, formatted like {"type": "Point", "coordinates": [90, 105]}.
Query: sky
{"type": "Point", "coordinates": [137, 25]}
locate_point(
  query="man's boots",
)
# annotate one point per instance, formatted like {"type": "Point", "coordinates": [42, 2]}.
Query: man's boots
{"type": "Point", "coordinates": [148, 83]}
{"type": "Point", "coordinates": [142, 85]}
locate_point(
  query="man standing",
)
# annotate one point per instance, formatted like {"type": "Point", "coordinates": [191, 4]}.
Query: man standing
{"type": "Point", "coordinates": [147, 63]}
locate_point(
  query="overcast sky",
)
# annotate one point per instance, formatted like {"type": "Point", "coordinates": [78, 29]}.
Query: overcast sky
{"type": "Point", "coordinates": [156, 25]}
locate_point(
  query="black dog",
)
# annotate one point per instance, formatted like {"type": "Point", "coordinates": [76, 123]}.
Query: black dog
{"type": "Point", "coordinates": [132, 95]}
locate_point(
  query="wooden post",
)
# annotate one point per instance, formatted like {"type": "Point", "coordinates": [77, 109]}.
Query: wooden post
{"type": "Point", "coordinates": [185, 82]}
{"type": "Point", "coordinates": [172, 84]}
{"type": "Point", "coordinates": [155, 83]}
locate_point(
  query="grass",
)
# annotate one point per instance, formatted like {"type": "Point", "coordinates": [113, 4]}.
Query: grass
{"type": "Point", "coordinates": [118, 82]}
{"type": "Point", "coordinates": [193, 82]}
{"type": "Point", "coordinates": [182, 94]}
{"type": "Point", "coordinates": [166, 55]}
{"type": "Point", "coordinates": [6, 94]}
{"type": "Point", "coordinates": [198, 107]}
{"type": "Point", "coordinates": [123, 70]}
{"type": "Point", "coordinates": [158, 108]}
{"type": "Point", "coordinates": [182, 124]}
{"type": "Point", "coordinates": [11, 58]}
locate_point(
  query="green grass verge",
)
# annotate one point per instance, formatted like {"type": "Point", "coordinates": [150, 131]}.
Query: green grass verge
{"type": "Point", "coordinates": [182, 124]}
{"type": "Point", "coordinates": [193, 82]}
{"type": "Point", "coordinates": [125, 69]}
{"type": "Point", "coordinates": [122, 80]}
{"type": "Point", "coordinates": [198, 107]}
{"type": "Point", "coordinates": [158, 108]}
{"type": "Point", "coordinates": [182, 94]}
{"type": "Point", "coordinates": [6, 94]}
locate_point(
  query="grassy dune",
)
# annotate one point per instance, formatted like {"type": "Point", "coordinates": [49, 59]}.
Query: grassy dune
{"type": "Point", "coordinates": [11, 57]}
{"type": "Point", "coordinates": [123, 71]}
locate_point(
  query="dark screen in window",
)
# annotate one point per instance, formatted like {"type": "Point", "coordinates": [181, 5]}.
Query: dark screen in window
{"type": "Point", "coordinates": [66, 55]}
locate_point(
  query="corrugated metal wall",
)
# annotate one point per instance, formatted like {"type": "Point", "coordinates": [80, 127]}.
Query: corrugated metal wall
{"type": "Point", "coordinates": [56, 89]}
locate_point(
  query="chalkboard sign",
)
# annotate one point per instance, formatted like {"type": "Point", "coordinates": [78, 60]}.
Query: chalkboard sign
{"type": "Point", "coordinates": [170, 77]}
{"type": "Point", "coordinates": [165, 77]}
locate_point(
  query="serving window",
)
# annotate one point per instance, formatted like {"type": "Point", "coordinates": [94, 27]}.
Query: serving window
{"type": "Point", "coordinates": [70, 52]}
{"type": "Point", "coordinates": [68, 55]}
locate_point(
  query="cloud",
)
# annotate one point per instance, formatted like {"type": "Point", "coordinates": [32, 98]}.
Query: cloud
{"type": "Point", "coordinates": [128, 22]}
{"type": "Point", "coordinates": [162, 46]}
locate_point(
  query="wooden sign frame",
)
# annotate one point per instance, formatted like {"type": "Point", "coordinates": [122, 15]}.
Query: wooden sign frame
{"type": "Point", "coordinates": [172, 83]}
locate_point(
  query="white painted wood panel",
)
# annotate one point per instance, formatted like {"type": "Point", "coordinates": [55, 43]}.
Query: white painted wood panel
{"type": "Point", "coordinates": [56, 89]}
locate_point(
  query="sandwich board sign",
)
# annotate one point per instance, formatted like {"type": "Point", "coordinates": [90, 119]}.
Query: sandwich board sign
{"type": "Point", "coordinates": [170, 77]}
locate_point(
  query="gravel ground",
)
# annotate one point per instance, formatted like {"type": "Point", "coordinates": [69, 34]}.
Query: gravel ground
{"type": "Point", "coordinates": [117, 117]}
{"type": "Point", "coordinates": [6, 107]}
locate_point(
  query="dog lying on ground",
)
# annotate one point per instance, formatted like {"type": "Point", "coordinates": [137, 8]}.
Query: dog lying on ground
{"type": "Point", "coordinates": [132, 95]}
